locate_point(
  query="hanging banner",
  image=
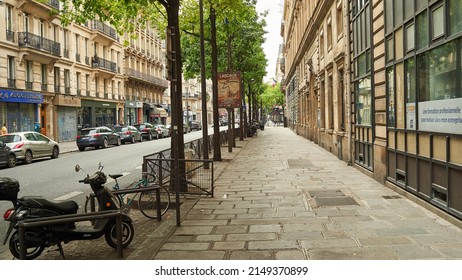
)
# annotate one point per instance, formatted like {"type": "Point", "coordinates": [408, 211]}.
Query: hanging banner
{"type": "Point", "coordinates": [229, 89]}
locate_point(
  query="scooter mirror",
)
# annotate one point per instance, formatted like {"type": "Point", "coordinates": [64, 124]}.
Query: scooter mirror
{"type": "Point", "coordinates": [77, 168]}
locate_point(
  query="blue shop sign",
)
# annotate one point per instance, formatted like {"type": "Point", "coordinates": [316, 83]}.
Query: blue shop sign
{"type": "Point", "coordinates": [20, 96]}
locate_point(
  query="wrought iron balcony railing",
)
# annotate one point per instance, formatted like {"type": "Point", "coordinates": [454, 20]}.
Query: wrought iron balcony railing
{"type": "Point", "coordinates": [102, 63]}
{"type": "Point", "coordinates": [54, 4]}
{"type": "Point", "coordinates": [109, 31]}
{"type": "Point", "coordinates": [77, 57]}
{"type": "Point", "coordinates": [30, 40]}
{"type": "Point", "coordinates": [145, 77]}
{"type": "Point", "coordinates": [44, 87]}
{"type": "Point", "coordinates": [11, 83]}
{"type": "Point", "coordinates": [29, 85]}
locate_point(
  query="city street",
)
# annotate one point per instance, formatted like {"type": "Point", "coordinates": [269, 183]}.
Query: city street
{"type": "Point", "coordinates": [57, 179]}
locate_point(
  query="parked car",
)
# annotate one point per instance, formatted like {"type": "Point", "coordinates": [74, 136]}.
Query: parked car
{"type": "Point", "coordinates": [148, 131]}
{"type": "Point", "coordinates": [169, 128]}
{"type": "Point", "coordinates": [29, 145]}
{"type": "Point", "coordinates": [7, 156]}
{"type": "Point", "coordinates": [195, 125]}
{"type": "Point", "coordinates": [128, 134]}
{"type": "Point", "coordinates": [162, 130]}
{"type": "Point", "coordinates": [97, 137]}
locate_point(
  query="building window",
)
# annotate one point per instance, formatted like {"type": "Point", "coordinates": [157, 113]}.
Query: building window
{"type": "Point", "coordinates": [9, 23]}
{"type": "Point", "coordinates": [397, 12]}
{"type": "Point", "coordinates": [321, 43]}
{"type": "Point", "coordinates": [390, 49]}
{"type": "Point", "coordinates": [67, 81]}
{"type": "Point", "coordinates": [363, 101]}
{"type": "Point", "coordinates": [87, 84]}
{"type": "Point", "coordinates": [455, 16]}
{"type": "Point", "coordinates": [422, 30]}
{"type": "Point", "coordinates": [11, 72]}
{"type": "Point", "coordinates": [44, 78]}
{"type": "Point", "coordinates": [339, 18]}
{"type": "Point", "coordinates": [409, 38]}
{"type": "Point", "coordinates": [437, 20]}
{"type": "Point", "coordinates": [26, 23]}
{"type": "Point", "coordinates": [57, 79]}
{"type": "Point", "coordinates": [438, 73]}
{"type": "Point", "coordinates": [410, 91]}
{"type": "Point", "coordinates": [29, 74]}
{"type": "Point", "coordinates": [78, 81]}
{"type": "Point", "coordinates": [330, 104]}
{"type": "Point", "coordinates": [391, 97]}
{"type": "Point", "coordinates": [329, 33]}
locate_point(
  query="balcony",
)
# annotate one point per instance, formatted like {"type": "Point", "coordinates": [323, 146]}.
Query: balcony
{"type": "Point", "coordinates": [144, 77]}
{"type": "Point", "coordinates": [77, 57]}
{"type": "Point", "coordinates": [105, 68]}
{"type": "Point", "coordinates": [67, 90]}
{"type": "Point", "coordinates": [38, 48]}
{"type": "Point", "coordinates": [66, 53]}
{"type": "Point", "coordinates": [29, 85]}
{"type": "Point", "coordinates": [103, 33]}
{"type": "Point", "coordinates": [46, 10]}
{"type": "Point", "coordinates": [44, 87]}
{"type": "Point", "coordinates": [57, 89]}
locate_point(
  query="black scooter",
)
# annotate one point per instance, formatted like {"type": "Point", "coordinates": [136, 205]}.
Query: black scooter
{"type": "Point", "coordinates": [40, 237]}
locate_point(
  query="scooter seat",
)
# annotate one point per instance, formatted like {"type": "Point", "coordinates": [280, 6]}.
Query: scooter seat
{"type": "Point", "coordinates": [115, 176]}
{"type": "Point", "coordinates": [65, 206]}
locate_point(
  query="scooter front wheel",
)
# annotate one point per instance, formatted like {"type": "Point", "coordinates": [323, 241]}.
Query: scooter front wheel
{"type": "Point", "coordinates": [128, 232]}
{"type": "Point", "coordinates": [32, 252]}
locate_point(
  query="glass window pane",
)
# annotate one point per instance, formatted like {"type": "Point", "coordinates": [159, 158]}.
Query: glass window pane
{"type": "Point", "coordinates": [399, 92]}
{"type": "Point", "coordinates": [410, 37]}
{"type": "Point", "coordinates": [389, 15]}
{"type": "Point", "coordinates": [455, 16]}
{"type": "Point", "coordinates": [437, 22]}
{"type": "Point", "coordinates": [410, 94]}
{"type": "Point", "coordinates": [391, 97]}
{"type": "Point", "coordinates": [398, 12]}
{"type": "Point", "coordinates": [399, 48]}
{"type": "Point", "coordinates": [363, 101]}
{"type": "Point", "coordinates": [422, 30]}
{"type": "Point", "coordinates": [443, 72]}
{"type": "Point", "coordinates": [408, 8]}
{"type": "Point", "coordinates": [390, 49]}
{"type": "Point", "coordinates": [421, 4]}
{"type": "Point", "coordinates": [422, 77]}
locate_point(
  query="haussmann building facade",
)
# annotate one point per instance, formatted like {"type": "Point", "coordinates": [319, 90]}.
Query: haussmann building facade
{"type": "Point", "coordinates": [379, 84]}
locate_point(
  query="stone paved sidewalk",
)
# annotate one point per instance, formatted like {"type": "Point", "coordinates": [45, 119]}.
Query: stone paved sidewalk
{"type": "Point", "coordinates": [283, 197]}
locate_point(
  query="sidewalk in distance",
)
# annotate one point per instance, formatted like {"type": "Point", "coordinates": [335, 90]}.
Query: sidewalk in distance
{"type": "Point", "coordinates": [284, 197]}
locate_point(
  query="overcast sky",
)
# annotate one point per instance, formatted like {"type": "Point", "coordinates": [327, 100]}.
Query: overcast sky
{"type": "Point", "coordinates": [273, 37]}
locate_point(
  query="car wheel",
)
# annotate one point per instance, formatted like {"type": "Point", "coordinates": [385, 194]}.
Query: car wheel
{"type": "Point", "coordinates": [133, 140]}
{"type": "Point", "coordinates": [11, 161]}
{"type": "Point", "coordinates": [119, 142]}
{"type": "Point", "coordinates": [28, 157]}
{"type": "Point", "coordinates": [157, 136]}
{"type": "Point", "coordinates": [149, 136]}
{"type": "Point", "coordinates": [81, 149]}
{"type": "Point", "coordinates": [55, 152]}
{"type": "Point", "coordinates": [105, 144]}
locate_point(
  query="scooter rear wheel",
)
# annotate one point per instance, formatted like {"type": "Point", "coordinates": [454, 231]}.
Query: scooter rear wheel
{"type": "Point", "coordinates": [128, 232]}
{"type": "Point", "coordinates": [31, 253]}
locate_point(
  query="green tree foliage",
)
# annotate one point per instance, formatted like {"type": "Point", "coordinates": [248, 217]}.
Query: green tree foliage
{"type": "Point", "coordinates": [238, 21]}
{"type": "Point", "coordinates": [272, 96]}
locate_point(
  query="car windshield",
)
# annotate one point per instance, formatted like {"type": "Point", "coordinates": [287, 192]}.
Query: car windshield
{"type": "Point", "coordinates": [10, 138]}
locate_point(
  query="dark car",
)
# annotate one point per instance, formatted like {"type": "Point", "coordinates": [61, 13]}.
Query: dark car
{"type": "Point", "coordinates": [129, 134]}
{"type": "Point", "coordinates": [195, 125]}
{"type": "Point", "coordinates": [97, 137]}
{"type": "Point", "coordinates": [148, 131]}
{"type": "Point", "coordinates": [7, 156]}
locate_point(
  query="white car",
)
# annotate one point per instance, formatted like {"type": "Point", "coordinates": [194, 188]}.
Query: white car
{"type": "Point", "coordinates": [162, 130]}
{"type": "Point", "coordinates": [30, 145]}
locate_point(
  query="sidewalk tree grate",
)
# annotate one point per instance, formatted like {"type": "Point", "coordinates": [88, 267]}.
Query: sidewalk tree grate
{"type": "Point", "coordinates": [299, 163]}
{"type": "Point", "coordinates": [331, 198]}
{"type": "Point", "coordinates": [391, 196]}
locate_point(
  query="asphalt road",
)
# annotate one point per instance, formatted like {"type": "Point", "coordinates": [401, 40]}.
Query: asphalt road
{"type": "Point", "coordinates": [57, 179]}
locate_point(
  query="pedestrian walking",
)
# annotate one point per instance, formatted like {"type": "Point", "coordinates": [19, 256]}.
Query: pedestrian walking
{"type": "Point", "coordinates": [4, 130]}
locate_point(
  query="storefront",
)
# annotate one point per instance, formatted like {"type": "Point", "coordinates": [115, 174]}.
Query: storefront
{"type": "Point", "coordinates": [159, 115]}
{"type": "Point", "coordinates": [132, 110]}
{"type": "Point", "coordinates": [19, 109]}
{"type": "Point", "coordinates": [96, 113]}
{"type": "Point", "coordinates": [67, 110]}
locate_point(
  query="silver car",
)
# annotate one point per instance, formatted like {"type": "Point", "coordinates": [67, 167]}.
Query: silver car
{"type": "Point", "coordinates": [30, 145]}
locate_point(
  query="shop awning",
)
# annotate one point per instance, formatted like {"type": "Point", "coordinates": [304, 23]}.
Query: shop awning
{"type": "Point", "coordinates": [161, 112]}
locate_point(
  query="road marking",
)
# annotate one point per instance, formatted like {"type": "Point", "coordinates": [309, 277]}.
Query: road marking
{"type": "Point", "coordinates": [69, 195]}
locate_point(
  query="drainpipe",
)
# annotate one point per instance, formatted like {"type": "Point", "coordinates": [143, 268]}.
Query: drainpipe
{"type": "Point", "coordinates": [348, 81]}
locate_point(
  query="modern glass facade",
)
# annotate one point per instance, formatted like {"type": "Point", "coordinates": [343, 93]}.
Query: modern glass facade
{"type": "Point", "coordinates": [424, 99]}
